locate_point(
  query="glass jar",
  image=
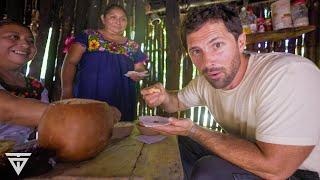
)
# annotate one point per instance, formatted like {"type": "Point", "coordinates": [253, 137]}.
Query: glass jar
{"type": "Point", "coordinates": [299, 13]}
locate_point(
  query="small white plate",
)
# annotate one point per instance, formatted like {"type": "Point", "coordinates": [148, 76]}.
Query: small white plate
{"type": "Point", "coordinates": [153, 121]}
{"type": "Point", "coordinates": [141, 74]}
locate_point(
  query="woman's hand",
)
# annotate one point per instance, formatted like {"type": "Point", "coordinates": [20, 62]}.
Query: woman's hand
{"type": "Point", "coordinates": [180, 127]}
{"type": "Point", "coordinates": [141, 72]}
{"type": "Point", "coordinates": [135, 77]}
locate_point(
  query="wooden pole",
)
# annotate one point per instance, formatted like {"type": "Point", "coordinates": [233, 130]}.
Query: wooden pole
{"type": "Point", "coordinates": [140, 21]}
{"type": "Point", "coordinates": [15, 10]}
{"type": "Point", "coordinates": [312, 39]}
{"type": "Point", "coordinates": [174, 50]}
{"type": "Point", "coordinates": [66, 30]}
{"type": "Point", "coordinates": [130, 17]}
{"type": "Point", "coordinates": [44, 25]}
{"type": "Point", "coordinates": [81, 12]}
{"type": "Point", "coordinates": [93, 18]}
{"type": "Point", "coordinates": [54, 42]}
{"type": "Point", "coordinates": [174, 44]}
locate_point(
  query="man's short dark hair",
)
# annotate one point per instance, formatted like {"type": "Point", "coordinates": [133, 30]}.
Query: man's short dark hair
{"type": "Point", "coordinates": [197, 17]}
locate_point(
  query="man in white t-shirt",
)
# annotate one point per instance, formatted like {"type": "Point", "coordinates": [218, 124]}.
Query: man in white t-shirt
{"type": "Point", "coordinates": [266, 103]}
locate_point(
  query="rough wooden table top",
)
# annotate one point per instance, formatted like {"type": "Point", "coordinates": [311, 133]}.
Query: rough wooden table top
{"type": "Point", "coordinates": [126, 159]}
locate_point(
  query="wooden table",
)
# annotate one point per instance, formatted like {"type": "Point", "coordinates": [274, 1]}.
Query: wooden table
{"type": "Point", "coordinates": [126, 159]}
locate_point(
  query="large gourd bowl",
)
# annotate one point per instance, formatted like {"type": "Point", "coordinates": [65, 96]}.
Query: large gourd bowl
{"type": "Point", "coordinates": [77, 129]}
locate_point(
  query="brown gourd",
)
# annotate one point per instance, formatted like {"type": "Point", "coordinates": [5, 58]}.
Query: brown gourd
{"type": "Point", "coordinates": [77, 129]}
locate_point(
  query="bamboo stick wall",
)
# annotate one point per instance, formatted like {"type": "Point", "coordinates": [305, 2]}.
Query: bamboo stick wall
{"type": "Point", "coordinates": [169, 64]}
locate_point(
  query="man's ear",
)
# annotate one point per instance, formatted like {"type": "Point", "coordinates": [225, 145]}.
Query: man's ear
{"type": "Point", "coordinates": [242, 42]}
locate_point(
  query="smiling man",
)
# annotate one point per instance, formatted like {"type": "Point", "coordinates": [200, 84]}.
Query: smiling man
{"type": "Point", "coordinates": [267, 104]}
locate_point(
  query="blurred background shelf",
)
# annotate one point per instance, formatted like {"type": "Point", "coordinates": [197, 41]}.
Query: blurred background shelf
{"type": "Point", "coordinates": [279, 34]}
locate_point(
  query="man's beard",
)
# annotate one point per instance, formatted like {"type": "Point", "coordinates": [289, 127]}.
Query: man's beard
{"type": "Point", "coordinates": [227, 77]}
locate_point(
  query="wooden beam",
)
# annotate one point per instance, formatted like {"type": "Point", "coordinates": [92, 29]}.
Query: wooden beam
{"type": "Point", "coordinates": [278, 35]}
{"type": "Point", "coordinates": [193, 5]}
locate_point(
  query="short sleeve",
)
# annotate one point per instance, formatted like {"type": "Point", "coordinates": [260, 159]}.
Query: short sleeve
{"type": "Point", "coordinates": [139, 56]}
{"type": "Point", "coordinates": [82, 39]}
{"type": "Point", "coordinates": [288, 110]}
{"type": "Point", "coordinates": [44, 96]}
{"type": "Point", "coordinates": [191, 95]}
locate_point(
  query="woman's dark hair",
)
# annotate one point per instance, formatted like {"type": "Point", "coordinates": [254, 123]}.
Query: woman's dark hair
{"type": "Point", "coordinates": [110, 7]}
{"type": "Point", "coordinates": [4, 22]}
{"type": "Point", "coordinates": [197, 17]}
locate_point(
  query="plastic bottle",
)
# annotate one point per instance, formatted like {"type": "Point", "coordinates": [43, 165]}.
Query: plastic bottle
{"type": "Point", "coordinates": [244, 21]}
{"type": "Point", "coordinates": [252, 18]}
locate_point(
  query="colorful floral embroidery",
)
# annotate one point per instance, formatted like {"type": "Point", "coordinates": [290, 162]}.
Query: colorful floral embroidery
{"type": "Point", "coordinates": [33, 88]}
{"type": "Point", "coordinates": [93, 45]}
{"type": "Point", "coordinates": [97, 43]}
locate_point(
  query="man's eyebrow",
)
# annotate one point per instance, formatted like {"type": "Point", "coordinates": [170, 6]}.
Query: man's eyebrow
{"type": "Point", "coordinates": [213, 39]}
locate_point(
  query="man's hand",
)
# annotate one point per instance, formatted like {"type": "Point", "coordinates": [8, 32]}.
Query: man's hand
{"type": "Point", "coordinates": [155, 95]}
{"type": "Point", "coordinates": [180, 127]}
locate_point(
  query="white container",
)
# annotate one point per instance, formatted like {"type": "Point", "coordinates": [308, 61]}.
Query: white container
{"type": "Point", "coordinates": [281, 14]}
{"type": "Point", "coordinates": [299, 13]}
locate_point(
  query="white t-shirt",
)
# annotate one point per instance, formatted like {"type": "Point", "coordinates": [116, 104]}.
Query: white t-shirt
{"type": "Point", "coordinates": [276, 102]}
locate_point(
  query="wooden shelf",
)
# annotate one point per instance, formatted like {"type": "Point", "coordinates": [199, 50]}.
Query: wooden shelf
{"type": "Point", "coordinates": [279, 34]}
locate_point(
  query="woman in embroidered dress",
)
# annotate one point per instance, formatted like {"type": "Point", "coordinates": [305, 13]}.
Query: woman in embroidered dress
{"type": "Point", "coordinates": [98, 61]}
{"type": "Point", "coordinates": [16, 49]}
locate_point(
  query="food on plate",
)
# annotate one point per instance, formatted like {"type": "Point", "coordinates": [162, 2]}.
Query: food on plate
{"type": "Point", "coordinates": [154, 90]}
{"type": "Point", "coordinates": [153, 121]}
